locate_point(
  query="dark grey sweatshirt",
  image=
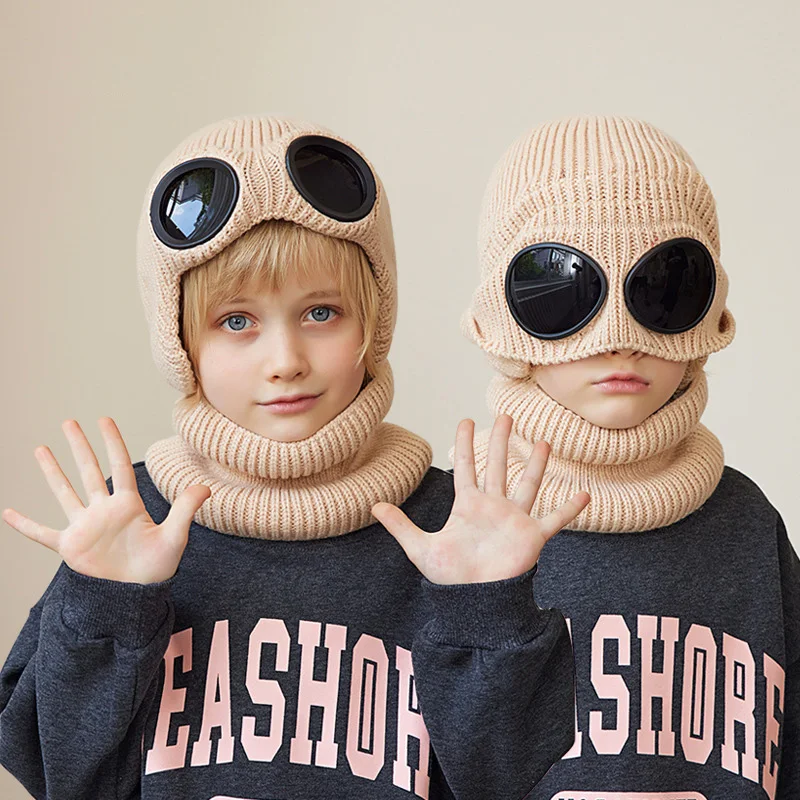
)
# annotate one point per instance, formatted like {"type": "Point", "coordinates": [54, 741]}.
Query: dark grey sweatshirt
{"type": "Point", "coordinates": [278, 670]}
{"type": "Point", "coordinates": [687, 648]}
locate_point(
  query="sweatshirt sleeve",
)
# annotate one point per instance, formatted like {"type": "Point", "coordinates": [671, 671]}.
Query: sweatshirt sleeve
{"type": "Point", "coordinates": [789, 771]}
{"type": "Point", "coordinates": [495, 680]}
{"type": "Point", "coordinates": [77, 684]}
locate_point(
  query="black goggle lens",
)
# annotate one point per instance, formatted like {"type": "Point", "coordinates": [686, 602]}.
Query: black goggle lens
{"type": "Point", "coordinates": [553, 290]}
{"type": "Point", "coordinates": [193, 201]}
{"type": "Point", "coordinates": [332, 177]}
{"type": "Point", "coordinates": [670, 289]}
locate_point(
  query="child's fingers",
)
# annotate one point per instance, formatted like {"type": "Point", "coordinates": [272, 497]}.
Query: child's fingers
{"type": "Point", "coordinates": [562, 516]}
{"type": "Point", "coordinates": [186, 505]}
{"type": "Point", "coordinates": [59, 483]}
{"type": "Point", "coordinates": [400, 526]}
{"type": "Point", "coordinates": [33, 530]}
{"type": "Point", "coordinates": [531, 479]}
{"type": "Point", "coordinates": [91, 474]}
{"type": "Point", "coordinates": [122, 474]}
{"type": "Point", "coordinates": [497, 458]}
{"type": "Point", "coordinates": [464, 457]}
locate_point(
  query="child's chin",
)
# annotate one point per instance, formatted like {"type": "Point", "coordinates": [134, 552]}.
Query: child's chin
{"type": "Point", "coordinates": [293, 430]}
{"type": "Point", "coordinates": [613, 419]}
{"type": "Point", "coordinates": [289, 433]}
{"type": "Point", "coordinates": [300, 427]}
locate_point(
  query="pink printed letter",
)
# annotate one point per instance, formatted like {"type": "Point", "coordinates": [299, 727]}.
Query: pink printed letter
{"type": "Point", "coordinates": [577, 745]}
{"type": "Point", "coordinates": [698, 700]}
{"type": "Point", "coordinates": [740, 701]}
{"type": "Point", "coordinates": [216, 714]}
{"type": "Point", "coordinates": [610, 687]}
{"type": "Point", "coordinates": [775, 676]}
{"type": "Point", "coordinates": [410, 723]}
{"type": "Point", "coordinates": [318, 693]}
{"type": "Point", "coordinates": [657, 684]}
{"type": "Point", "coordinates": [264, 692]}
{"type": "Point", "coordinates": [369, 677]}
{"type": "Point", "coordinates": [163, 756]}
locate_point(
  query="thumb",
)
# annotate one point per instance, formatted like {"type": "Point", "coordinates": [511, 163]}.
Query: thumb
{"type": "Point", "coordinates": [184, 508]}
{"type": "Point", "coordinates": [400, 526]}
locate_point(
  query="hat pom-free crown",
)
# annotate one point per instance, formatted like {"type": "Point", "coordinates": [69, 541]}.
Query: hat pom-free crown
{"type": "Point", "coordinates": [612, 188]}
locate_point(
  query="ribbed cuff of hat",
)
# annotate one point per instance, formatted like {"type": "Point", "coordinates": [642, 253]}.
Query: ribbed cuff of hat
{"type": "Point", "coordinates": [493, 614]}
{"type": "Point", "coordinates": [131, 613]}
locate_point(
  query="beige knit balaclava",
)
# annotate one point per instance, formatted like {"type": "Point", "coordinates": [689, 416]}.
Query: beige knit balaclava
{"type": "Point", "coordinates": [324, 485]}
{"type": "Point", "coordinates": [613, 188]}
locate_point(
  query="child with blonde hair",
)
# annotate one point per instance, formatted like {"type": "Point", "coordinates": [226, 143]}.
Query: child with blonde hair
{"type": "Point", "coordinates": [229, 620]}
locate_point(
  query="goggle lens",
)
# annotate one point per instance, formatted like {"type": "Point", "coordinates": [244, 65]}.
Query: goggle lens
{"type": "Point", "coordinates": [553, 290]}
{"type": "Point", "coordinates": [670, 289]}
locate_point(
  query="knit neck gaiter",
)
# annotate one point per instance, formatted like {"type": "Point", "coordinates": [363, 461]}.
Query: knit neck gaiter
{"type": "Point", "coordinates": [639, 478]}
{"type": "Point", "coordinates": [319, 487]}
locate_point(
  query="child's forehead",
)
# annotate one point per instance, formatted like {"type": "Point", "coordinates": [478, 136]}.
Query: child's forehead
{"type": "Point", "coordinates": [312, 282]}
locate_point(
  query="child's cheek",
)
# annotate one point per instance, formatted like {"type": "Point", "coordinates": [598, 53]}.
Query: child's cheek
{"type": "Point", "coordinates": [340, 362]}
{"type": "Point", "coordinates": [225, 361]}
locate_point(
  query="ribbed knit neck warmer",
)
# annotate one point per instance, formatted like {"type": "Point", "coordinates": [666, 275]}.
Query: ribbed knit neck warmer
{"type": "Point", "coordinates": [318, 487]}
{"type": "Point", "coordinates": [611, 187]}
{"type": "Point", "coordinates": [639, 478]}
{"type": "Point", "coordinates": [321, 486]}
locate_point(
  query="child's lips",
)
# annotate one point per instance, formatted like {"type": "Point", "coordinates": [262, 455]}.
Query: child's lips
{"type": "Point", "coordinates": [291, 405]}
{"type": "Point", "coordinates": [621, 387]}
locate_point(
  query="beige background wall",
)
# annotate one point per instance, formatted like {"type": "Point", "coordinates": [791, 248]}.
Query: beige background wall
{"type": "Point", "coordinates": [96, 93]}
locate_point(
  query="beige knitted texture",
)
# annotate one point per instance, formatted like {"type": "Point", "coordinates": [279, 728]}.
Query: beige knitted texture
{"type": "Point", "coordinates": [613, 188]}
{"type": "Point", "coordinates": [324, 485]}
{"type": "Point", "coordinates": [640, 478]}
{"type": "Point", "coordinates": [387, 468]}
{"type": "Point", "coordinates": [537, 417]}
{"type": "Point", "coordinates": [249, 453]}
{"type": "Point", "coordinates": [255, 147]}
{"type": "Point", "coordinates": [321, 486]}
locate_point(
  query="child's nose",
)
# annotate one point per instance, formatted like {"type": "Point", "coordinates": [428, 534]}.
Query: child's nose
{"type": "Point", "coordinates": [285, 357]}
{"type": "Point", "coordinates": [625, 353]}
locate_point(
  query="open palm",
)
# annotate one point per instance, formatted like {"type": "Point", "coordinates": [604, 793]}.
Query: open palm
{"type": "Point", "coordinates": [112, 537]}
{"type": "Point", "coordinates": [488, 536]}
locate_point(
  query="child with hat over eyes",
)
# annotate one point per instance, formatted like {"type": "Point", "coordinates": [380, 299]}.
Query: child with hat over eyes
{"type": "Point", "coordinates": [601, 298]}
{"type": "Point", "coordinates": [285, 599]}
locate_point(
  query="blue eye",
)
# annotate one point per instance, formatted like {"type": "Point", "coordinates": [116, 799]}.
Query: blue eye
{"type": "Point", "coordinates": [321, 313]}
{"type": "Point", "coordinates": [234, 316]}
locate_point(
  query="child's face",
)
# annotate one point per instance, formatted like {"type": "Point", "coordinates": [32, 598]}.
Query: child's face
{"type": "Point", "coordinates": [575, 386]}
{"type": "Point", "coordinates": [273, 344]}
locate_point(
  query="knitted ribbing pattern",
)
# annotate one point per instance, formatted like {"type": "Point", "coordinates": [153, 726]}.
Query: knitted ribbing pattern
{"type": "Point", "coordinates": [321, 486]}
{"type": "Point", "coordinates": [639, 478]}
{"type": "Point", "coordinates": [613, 188]}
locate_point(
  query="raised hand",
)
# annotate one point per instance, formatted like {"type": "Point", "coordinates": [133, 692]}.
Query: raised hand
{"type": "Point", "coordinates": [488, 537]}
{"type": "Point", "coordinates": [113, 537]}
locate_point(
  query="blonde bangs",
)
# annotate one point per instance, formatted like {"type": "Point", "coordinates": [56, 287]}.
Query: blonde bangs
{"type": "Point", "coordinates": [262, 260]}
